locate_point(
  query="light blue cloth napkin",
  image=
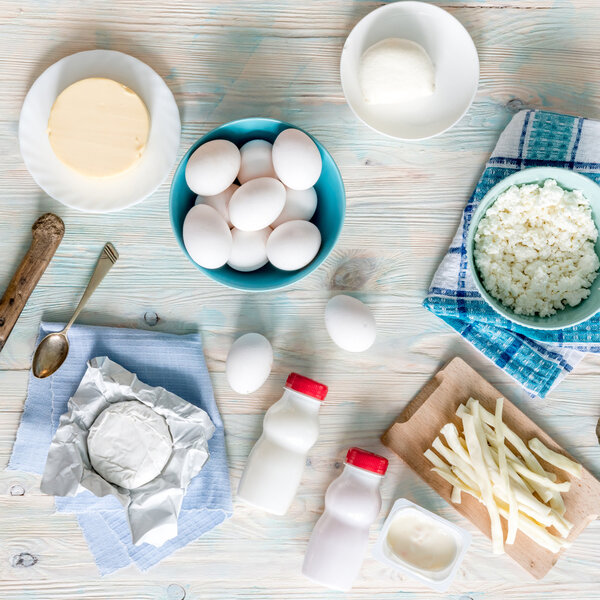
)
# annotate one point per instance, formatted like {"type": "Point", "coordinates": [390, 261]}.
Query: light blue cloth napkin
{"type": "Point", "coordinates": [538, 360]}
{"type": "Point", "coordinates": [175, 362]}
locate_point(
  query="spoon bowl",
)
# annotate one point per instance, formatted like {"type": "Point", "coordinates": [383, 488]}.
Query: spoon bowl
{"type": "Point", "coordinates": [53, 349]}
{"type": "Point", "coordinates": [50, 354]}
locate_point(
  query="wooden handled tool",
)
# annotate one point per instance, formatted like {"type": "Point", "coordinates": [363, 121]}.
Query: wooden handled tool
{"type": "Point", "coordinates": [47, 233]}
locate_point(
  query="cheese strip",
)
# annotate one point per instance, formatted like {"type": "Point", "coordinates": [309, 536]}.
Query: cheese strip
{"type": "Point", "coordinates": [558, 504]}
{"type": "Point", "coordinates": [536, 532]}
{"type": "Point", "coordinates": [554, 458]}
{"type": "Point", "coordinates": [548, 518]}
{"type": "Point", "coordinates": [467, 474]}
{"type": "Point", "coordinates": [491, 436]}
{"type": "Point", "coordinates": [534, 477]}
{"type": "Point", "coordinates": [455, 496]}
{"type": "Point", "coordinates": [481, 437]}
{"type": "Point", "coordinates": [435, 460]}
{"type": "Point", "coordinates": [453, 458]}
{"type": "Point", "coordinates": [479, 465]}
{"type": "Point", "coordinates": [513, 509]}
{"type": "Point", "coordinates": [457, 483]}
{"type": "Point", "coordinates": [464, 478]}
{"type": "Point", "coordinates": [530, 460]}
{"type": "Point", "coordinates": [527, 525]}
{"type": "Point", "coordinates": [450, 432]}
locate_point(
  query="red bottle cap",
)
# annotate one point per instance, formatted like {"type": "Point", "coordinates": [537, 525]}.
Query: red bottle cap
{"type": "Point", "coordinates": [306, 386]}
{"type": "Point", "coordinates": [367, 460]}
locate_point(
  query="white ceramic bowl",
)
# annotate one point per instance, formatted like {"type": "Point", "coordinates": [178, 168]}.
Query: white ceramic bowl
{"type": "Point", "coordinates": [111, 193]}
{"type": "Point", "coordinates": [454, 58]}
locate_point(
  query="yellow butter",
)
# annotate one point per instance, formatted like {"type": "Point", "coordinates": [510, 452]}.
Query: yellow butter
{"type": "Point", "coordinates": [98, 127]}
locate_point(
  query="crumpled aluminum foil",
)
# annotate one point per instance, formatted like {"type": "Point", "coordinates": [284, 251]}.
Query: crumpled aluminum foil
{"type": "Point", "coordinates": [153, 508]}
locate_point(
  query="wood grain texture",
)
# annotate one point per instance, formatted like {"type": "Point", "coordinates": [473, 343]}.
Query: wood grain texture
{"type": "Point", "coordinates": [280, 58]}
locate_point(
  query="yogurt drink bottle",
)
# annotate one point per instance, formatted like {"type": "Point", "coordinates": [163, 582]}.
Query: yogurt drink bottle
{"type": "Point", "coordinates": [339, 540]}
{"type": "Point", "coordinates": [276, 463]}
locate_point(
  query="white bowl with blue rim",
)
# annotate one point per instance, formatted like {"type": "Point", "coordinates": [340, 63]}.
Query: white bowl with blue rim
{"type": "Point", "coordinates": [568, 180]}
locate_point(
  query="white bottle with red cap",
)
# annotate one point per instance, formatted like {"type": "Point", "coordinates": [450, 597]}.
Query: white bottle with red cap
{"type": "Point", "coordinates": [290, 429]}
{"type": "Point", "coordinates": [339, 540]}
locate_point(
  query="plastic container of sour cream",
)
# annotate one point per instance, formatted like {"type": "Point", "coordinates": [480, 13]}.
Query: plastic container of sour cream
{"type": "Point", "coordinates": [422, 545]}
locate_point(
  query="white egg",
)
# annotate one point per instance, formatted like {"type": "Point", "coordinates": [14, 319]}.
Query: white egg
{"type": "Point", "coordinates": [213, 167]}
{"type": "Point", "coordinates": [293, 245]}
{"type": "Point", "coordinates": [220, 202]}
{"type": "Point", "coordinates": [249, 250]}
{"type": "Point", "coordinates": [207, 237]}
{"type": "Point", "coordinates": [249, 363]}
{"type": "Point", "coordinates": [296, 159]}
{"type": "Point", "coordinates": [350, 323]}
{"type": "Point", "coordinates": [299, 205]}
{"type": "Point", "coordinates": [257, 203]}
{"type": "Point", "coordinates": [257, 161]}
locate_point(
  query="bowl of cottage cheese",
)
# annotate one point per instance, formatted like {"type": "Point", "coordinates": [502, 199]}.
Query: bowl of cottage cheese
{"type": "Point", "coordinates": [533, 248]}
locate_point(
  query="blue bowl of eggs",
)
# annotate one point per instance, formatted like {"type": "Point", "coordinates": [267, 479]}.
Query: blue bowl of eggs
{"type": "Point", "coordinates": [257, 204]}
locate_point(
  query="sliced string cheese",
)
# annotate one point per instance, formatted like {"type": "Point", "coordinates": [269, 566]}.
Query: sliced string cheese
{"type": "Point", "coordinates": [558, 504]}
{"type": "Point", "coordinates": [513, 509]}
{"type": "Point", "coordinates": [435, 460]}
{"type": "Point", "coordinates": [455, 496]}
{"type": "Point", "coordinates": [450, 432]}
{"type": "Point", "coordinates": [509, 485]}
{"type": "Point", "coordinates": [554, 458]}
{"type": "Point", "coordinates": [530, 460]}
{"type": "Point", "coordinates": [453, 458]}
{"type": "Point", "coordinates": [534, 477]}
{"type": "Point", "coordinates": [476, 454]}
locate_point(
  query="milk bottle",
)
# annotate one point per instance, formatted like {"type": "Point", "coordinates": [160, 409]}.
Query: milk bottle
{"type": "Point", "coordinates": [276, 463]}
{"type": "Point", "coordinates": [339, 540]}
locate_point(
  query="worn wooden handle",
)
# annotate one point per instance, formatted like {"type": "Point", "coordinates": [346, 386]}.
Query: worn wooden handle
{"type": "Point", "coordinates": [47, 232]}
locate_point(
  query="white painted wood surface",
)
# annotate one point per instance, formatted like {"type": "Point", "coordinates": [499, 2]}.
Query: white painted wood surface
{"type": "Point", "coordinates": [279, 58]}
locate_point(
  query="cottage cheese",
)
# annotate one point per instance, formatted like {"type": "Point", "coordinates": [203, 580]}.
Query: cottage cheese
{"type": "Point", "coordinates": [534, 249]}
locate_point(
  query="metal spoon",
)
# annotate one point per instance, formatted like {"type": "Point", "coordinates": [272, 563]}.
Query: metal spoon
{"type": "Point", "coordinates": [53, 349]}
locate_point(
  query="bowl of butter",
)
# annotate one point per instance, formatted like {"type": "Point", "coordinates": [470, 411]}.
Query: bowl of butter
{"type": "Point", "coordinates": [99, 131]}
{"type": "Point", "coordinates": [409, 70]}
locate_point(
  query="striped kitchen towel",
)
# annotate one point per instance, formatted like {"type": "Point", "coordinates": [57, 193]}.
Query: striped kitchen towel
{"type": "Point", "coordinates": [538, 360]}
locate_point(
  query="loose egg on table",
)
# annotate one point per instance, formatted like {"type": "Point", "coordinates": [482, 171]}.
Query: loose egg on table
{"type": "Point", "coordinates": [249, 363]}
{"type": "Point", "coordinates": [350, 323]}
{"type": "Point", "coordinates": [268, 213]}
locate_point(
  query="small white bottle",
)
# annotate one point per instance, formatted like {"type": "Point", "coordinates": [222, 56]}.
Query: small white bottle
{"type": "Point", "coordinates": [276, 463]}
{"type": "Point", "coordinates": [339, 540]}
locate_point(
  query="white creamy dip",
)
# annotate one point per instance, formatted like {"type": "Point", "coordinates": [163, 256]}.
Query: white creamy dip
{"type": "Point", "coordinates": [421, 541]}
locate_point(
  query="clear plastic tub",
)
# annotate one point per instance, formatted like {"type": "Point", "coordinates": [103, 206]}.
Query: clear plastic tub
{"type": "Point", "coordinates": [438, 579]}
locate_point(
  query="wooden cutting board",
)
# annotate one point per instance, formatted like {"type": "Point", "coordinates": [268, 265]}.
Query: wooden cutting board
{"type": "Point", "coordinates": [434, 406]}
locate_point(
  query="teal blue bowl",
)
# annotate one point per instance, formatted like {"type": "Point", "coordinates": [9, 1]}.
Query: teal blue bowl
{"type": "Point", "coordinates": [329, 216]}
{"type": "Point", "coordinates": [568, 180]}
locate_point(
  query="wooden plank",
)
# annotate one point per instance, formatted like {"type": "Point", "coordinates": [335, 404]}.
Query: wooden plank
{"type": "Point", "coordinates": [234, 58]}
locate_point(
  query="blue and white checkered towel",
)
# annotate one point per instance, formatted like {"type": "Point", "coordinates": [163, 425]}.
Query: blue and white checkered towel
{"type": "Point", "coordinates": [175, 362]}
{"type": "Point", "coordinates": [538, 360]}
